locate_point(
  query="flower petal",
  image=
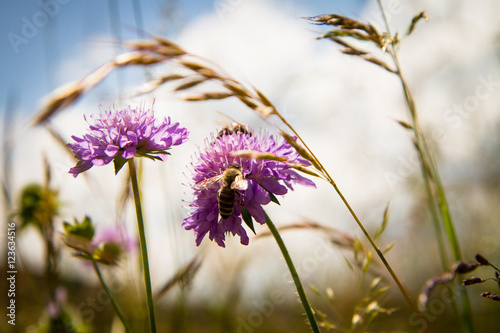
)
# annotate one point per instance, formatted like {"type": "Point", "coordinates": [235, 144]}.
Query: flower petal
{"type": "Point", "coordinates": [129, 153]}
{"type": "Point", "coordinates": [256, 211]}
{"type": "Point", "coordinates": [272, 185]}
{"type": "Point", "coordinates": [80, 167]}
{"type": "Point", "coordinates": [112, 150]}
{"type": "Point", "coordinates": [260, 195]}
{"type": "Point", "coordinates": [299, 179]}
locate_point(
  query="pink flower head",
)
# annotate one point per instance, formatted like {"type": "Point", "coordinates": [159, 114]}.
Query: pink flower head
{"type": "Point", "coordinates": [265, 178]}
{"type": "Point", "coordinates": [124, 134]}
{"type": "Point", "coordinates": [114, 235]}
{"type": "Point", "coordinates": [109, 245]}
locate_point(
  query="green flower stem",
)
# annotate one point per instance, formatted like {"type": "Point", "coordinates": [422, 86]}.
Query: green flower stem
{"type": "Point", "coordinates": [295, 276]}
{"type": "Point", "coordinates": [142, 240]}
{"type": "Point", "coordinates": [330, 180]}
{"type": "Point", "coordinates": [105, 286]}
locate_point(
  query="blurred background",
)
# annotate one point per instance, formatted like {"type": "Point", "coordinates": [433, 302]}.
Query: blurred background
{"type": "Point", "coordinates": [345, 109]}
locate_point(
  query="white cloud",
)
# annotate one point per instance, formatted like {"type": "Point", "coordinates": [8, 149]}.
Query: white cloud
{"type": "Point", "coordinates": [344, 108]}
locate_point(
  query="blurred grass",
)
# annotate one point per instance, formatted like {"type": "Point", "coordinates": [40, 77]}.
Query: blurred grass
{"type": "Point", "coordinates": [228, 316]}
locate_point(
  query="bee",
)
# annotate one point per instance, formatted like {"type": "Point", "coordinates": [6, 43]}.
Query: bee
{"type": "Point", "coordinates": [234, 127]}
{"type": "Point", "coordinates": [230, 182]}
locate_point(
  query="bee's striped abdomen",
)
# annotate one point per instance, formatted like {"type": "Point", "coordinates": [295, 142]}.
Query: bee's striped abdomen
{"type": "Point", "coordinates": [226, 202]}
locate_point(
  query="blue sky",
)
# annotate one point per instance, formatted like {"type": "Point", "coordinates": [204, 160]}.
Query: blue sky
{"type": "Point", "coordinates": [37, 38]}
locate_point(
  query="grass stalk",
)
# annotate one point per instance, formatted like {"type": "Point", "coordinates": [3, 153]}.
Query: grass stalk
{"type": "Point", "coordinates": [447, 221]}
{"type": "Point", "coordinates": [144, 250]}
{"type": "Point", "coordinates": [113, 302]}
{"type": "Point", "coordinates": [434, 187]}
{"type": "Point", "coordinates": [295, 275]}
{"type": "Point", "coordinates": [383, 259]}
{"type": "Point", "coordinates": [360, 225]}
{"type": "Point", "coordinates": [435, 217]}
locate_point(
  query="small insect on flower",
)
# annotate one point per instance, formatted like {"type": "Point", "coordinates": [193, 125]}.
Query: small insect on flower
{"type": "Point", "coordinates": [230, 182]}
{"type": "Point", "coordinates": [229, 190]}
{"type": "Point", "coordinates": [234, 128]}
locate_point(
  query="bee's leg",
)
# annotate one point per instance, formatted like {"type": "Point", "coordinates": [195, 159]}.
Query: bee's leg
{"type": "Point", "coordinates": [239, 198]}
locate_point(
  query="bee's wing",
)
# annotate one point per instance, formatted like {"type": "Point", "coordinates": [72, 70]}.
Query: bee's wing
{"type": "Point", "coordinates": [208, 183]}
{"type": "Point", "coordinates": [227, 121]}
{"type": "Point", "coordinates": [239, 183]}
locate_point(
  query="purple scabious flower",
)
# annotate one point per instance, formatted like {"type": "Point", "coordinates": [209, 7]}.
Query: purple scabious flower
{"type": "Point", "coordinates": [123, 134]}
{"type": "Point", "coordinates": [265, 179]}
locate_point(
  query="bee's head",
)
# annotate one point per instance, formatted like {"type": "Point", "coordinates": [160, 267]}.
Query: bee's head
{"type": "Point", "coordinates": [233, 170]}
{"type": "Point", "coordinates": [234, 166]}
